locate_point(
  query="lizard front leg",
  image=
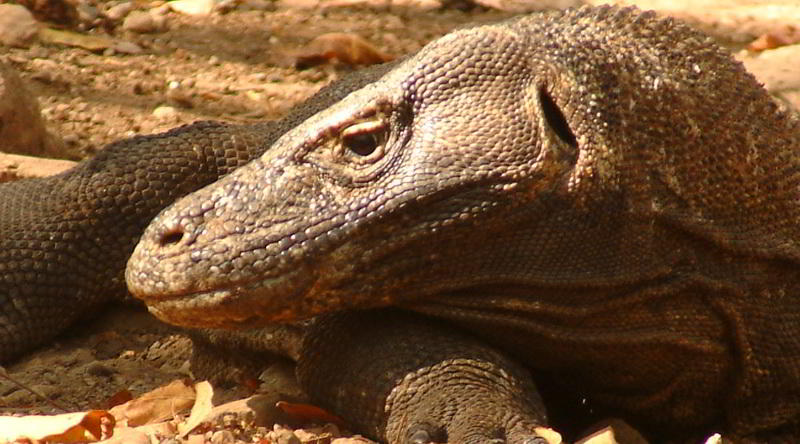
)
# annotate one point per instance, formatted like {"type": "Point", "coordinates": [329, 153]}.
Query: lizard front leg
{"type": "Point", "coordinates": [401, 378]}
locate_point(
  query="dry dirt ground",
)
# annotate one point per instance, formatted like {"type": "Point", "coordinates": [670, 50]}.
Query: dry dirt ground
{"type": "Point", "coordinates": [236, 66]}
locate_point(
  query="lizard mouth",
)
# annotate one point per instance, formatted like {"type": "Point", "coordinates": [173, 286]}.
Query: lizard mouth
{"type": "Point", "coordinates": [248, 305]}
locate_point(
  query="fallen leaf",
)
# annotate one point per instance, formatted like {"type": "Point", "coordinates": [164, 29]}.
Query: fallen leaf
{"type": "Point", "coordinates": [549, 435]}
{"type": "Point", "coordinates": [200, 410]}
{"type": "Point", "coordinates": [604, 436]}
{"type": "Point", "coordinates": [94, 43]}
{"type": "Point", "coordinates": [611, 431]}
{"type": "Point", "coordinates": [121, 397]}
{"type": "Point", "coordinates": [90, 426]}
{"type": "Point", "coordinates": [783, 36]}
{"type": "Point", "coordinates": [347, 49]}
{"type": "Point", "coordinates": [139, 435]}
{"type": "Point", "coordinates": [157, 405]}
{"type": "Point", "coordinates": [309, 413]}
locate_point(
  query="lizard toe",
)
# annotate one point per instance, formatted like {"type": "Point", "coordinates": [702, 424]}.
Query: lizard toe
{"type": "Point", "coordinates": [426, 434]}
{"type": "Point", "coordinates": [457, 424]}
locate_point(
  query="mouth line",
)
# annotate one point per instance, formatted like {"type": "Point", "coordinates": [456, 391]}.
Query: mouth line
{"type": "Point", "coordinates": [257, 303]}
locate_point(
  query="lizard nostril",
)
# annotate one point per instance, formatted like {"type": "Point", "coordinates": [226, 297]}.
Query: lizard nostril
{"type": "Point", "coordinates": [171, 237]}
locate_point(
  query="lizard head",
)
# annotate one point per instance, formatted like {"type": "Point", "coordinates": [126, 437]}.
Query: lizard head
{"type": "Point", "coordinates": [391, 194]}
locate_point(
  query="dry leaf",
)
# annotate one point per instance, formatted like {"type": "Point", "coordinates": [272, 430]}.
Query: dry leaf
{"type": "Point", "coordinates": [348, 49]}
{"type": "Point", "coordinates": [783, 36]}
{"type": "Point", "coordinates": [119, 398]}
{"type": "Point", "coordinates": [88, 426]}
{"type": "Point", "coordinates": [140, 435]}
{"type": "Point", "coordinates": [93, 43]}
{"type": "Point", "coordinates": [604, 436]}
{"type": "Point", "coordinates": [309, 413]}
{"type": "Point", "coordinates": [157, 405]}
{"type": "Point", "coordinates": [549, 435]}
{"type": "Point", "coordinates": [201, 408]}
{"type": "Point", "coordinates": [611, 431]}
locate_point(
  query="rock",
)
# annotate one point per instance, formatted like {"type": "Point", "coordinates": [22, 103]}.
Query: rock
{"type": "Point", "coordinates": [192, 7]}
{"type": "Point", "coordinates": [525, 6]}
{"type": "Point", "coordinates": [97, 368]}
{"type": "Point", "coordinates": [62, 12]}
{"type": "Point", "coordinates": [165, 112]}
{"type": "Point", "coordinates": [13, 167]}
{"type": "Point", "coordinates": [125, 47]}
{"type": "Point", "coordinates": [776, 68]}
{"type": "Point", "coordinates": [17, 26]}
{"type": "Point", "coordinates": [256, 5]}
{"type": "Point", "coordinates": [222, 437]}
{"type": "Point", "coordinates": [225, 6]}
{"type": "Point", "coordinates": [143, 22]}
{"type": "Point", "coordinates": [119, 11]}
{"type": "Point", "coordinates": [87, 13]}
{"type": "Point", "coordinates": [23, 130]}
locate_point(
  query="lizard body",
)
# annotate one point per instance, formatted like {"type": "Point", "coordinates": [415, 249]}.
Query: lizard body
{"type": "Point", "coordinates": [603, 195]}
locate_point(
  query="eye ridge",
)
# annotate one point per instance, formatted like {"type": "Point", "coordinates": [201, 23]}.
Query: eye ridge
{"type": "Point", "coordinates": [364, 138]}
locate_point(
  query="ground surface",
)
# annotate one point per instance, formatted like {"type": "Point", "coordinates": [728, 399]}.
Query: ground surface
{"type": "Point", "coordinates": [237, 66]}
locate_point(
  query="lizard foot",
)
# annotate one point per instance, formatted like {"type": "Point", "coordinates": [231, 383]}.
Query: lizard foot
{"type": "Point", "coordinates": [403, 379]}
{"type": "Point", "coordinates": [467, 401]}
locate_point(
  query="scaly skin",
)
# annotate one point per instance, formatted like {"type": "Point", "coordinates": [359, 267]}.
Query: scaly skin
{"type": "Point", "coordinates": [602, 195]}
{"type": "Point", "coordinates": [65, 240]}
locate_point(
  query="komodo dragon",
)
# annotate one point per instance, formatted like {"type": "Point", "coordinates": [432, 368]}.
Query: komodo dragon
{"type": "Point", "coordinates": [599, 195]}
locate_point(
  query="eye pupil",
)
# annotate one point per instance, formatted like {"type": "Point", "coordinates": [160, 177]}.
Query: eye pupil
{"type": "Point", "coordinates": [362, 144]}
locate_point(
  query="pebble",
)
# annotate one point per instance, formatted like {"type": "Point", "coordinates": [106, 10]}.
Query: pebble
{"type": "Point", "coordinates": [87, 13]}
{"type": "Point", "coordinates": [224, 6]}
{"type": "Point", "coordinates": [222, 437]}
{"type": "Point", "coordinates": [97, 368]}
{"type": "Point", "coordinates": [164, 112]}
{"type": "Point", "coordinates": [142, 22]}
{"type": "Point", "coordinates": [284, 437]}
{"type": "Point", "coordinates": [179, 97]}
{"type": "Point", "coordinates": [125, 47]}
{"type": "Point", "coordinates": [22, 130]}
{"type": "Point", "coordinates": [256, 5]}
{"type": "Point", "coordinates": [192, 7]}
{"type": "Point", "coordinates": [17, 26]}
{"type": "Point", "coordinates": [196, 439]}
{"type": "Point", "coordinates": [119, 11]}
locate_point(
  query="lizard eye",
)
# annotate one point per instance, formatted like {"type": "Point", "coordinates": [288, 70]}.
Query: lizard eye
{"type": "Point", "coordinates": [364, 139]}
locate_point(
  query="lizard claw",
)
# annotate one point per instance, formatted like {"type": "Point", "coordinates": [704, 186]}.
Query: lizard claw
{"type": "Point", "coordinates": [464, 419]}
{"type": "Point", "coordinates": [421, 435]}
{"type": "Point", "coordinates": [426, 434]}
{"type": "Point", "coordinates": [433, 385]}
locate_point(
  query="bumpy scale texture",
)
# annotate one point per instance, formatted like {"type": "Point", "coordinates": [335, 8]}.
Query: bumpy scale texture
{"type": "Point", "coordinates": [65, 240]}
{"type": "Point", "coordinates": [605, 195]}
